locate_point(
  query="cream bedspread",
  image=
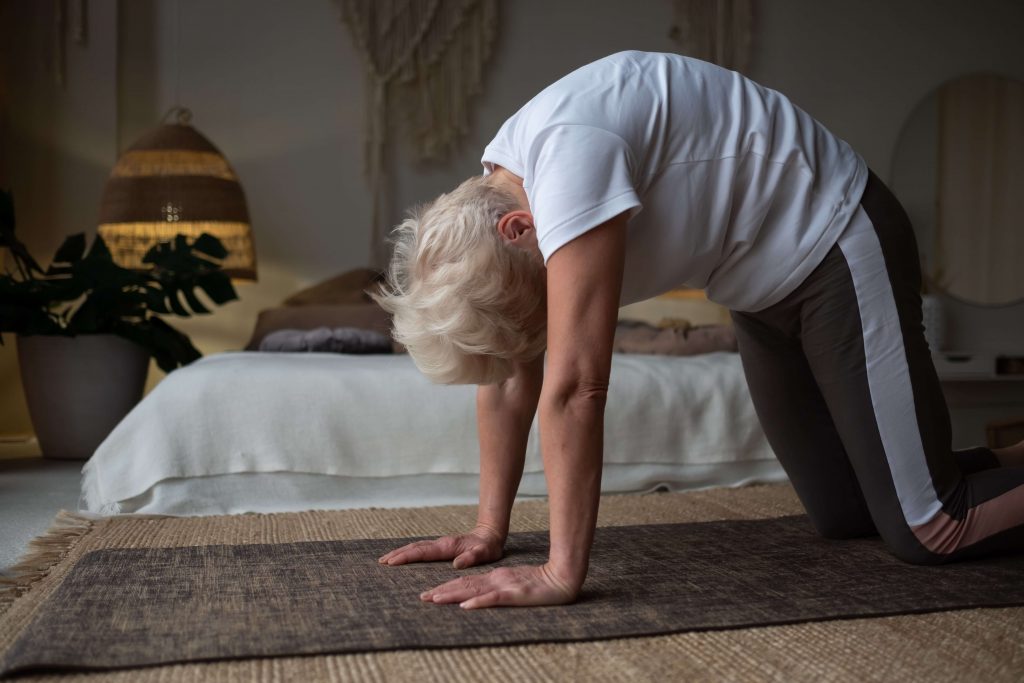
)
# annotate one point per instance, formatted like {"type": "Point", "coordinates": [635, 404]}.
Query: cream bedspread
{"type": "Point", "coordinates": [359, 422]}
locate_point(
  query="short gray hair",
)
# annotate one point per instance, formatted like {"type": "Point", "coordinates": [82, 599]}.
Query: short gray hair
{"type": "Point", "coordinates": [465, 304]}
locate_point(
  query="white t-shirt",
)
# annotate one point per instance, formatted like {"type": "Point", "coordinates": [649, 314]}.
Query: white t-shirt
{"type": "Point", "coordinates": [730, 187]}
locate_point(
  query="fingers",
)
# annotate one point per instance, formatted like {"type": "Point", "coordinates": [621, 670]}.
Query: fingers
{"type": "Point", "coordinates": [483, 545]}
{"type": "Point", "coordinates": [492, 599]}
{"type": "Point", "coordinates": [524, 585]}
{"type": "Point", "coordinates": [421, 551]}
{"type": "Point", "coordinates": [497, 587]}
{"type": "Point", "coordinates": [387, 557]}
{"type": "Point", "coordinates": [459, 590]}
{"type": "Point", "coordinates": [478, 554]}
{"type": "Point", "coordinates": [473, 597]}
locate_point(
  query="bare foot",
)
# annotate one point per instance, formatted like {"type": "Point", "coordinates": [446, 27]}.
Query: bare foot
{"type": "Point", "coordinates": [1011, 456]}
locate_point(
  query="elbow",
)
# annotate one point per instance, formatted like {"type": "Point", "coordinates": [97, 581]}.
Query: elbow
{"type": "Point", "coordinates": [577, 394]}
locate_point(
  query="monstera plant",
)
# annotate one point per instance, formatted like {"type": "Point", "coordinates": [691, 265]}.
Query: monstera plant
{"type": "Point", "coordinates": [79, 320]}
{"type": "Point", "coordinates": [84, 292]}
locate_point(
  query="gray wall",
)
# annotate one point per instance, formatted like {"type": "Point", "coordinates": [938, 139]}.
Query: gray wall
{"type": "Point", "coordinates": [278, 87]}
{"type": "Point", "coordinates": [57, 144]}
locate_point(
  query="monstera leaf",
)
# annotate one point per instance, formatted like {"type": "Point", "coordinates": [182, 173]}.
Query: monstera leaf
{"type": "Point", "coordinates": [180, 268]}
{"type": "Point", "coordinates": [84, 291]}
{"type": "Point", "coordinates": [23, 308]}
{"type": "Point", "coordinates": [169, 347]}
{"type": "Point", "coordinates": [26, 264]}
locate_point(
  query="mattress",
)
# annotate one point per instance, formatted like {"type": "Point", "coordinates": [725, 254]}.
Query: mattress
{"type": "Point", "coordinates": [269, 432]}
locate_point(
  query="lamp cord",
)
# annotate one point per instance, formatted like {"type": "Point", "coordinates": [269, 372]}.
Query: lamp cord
{"type": "Point", "coordinates": [177, 52]}
{"type": "Point", "coordinates": [181, 114]}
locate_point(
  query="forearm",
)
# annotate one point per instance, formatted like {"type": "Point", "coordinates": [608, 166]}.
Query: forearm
{"type": "Point", "coordinates": [572, 429]}
{"type": "Point", "coordinates": [502, 455]}
{"type": "Point", "coordinates": [504, 414]}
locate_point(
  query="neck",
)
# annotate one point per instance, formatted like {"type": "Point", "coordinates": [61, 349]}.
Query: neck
{"type": "Point", "coordinates": [511, 183]}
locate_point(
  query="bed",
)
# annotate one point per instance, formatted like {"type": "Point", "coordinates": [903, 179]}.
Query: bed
{"type": "Point", "coordinates": [274, 432]}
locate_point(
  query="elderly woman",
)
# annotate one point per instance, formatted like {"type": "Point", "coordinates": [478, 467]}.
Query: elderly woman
{"type": "Point", "coordinates": [627, 178]}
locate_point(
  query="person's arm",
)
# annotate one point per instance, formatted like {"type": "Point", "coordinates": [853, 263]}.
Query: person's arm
{"type": "Point", "coordinates": [504, 414]}
{"type": "Point", "coordinates": [584, 282]}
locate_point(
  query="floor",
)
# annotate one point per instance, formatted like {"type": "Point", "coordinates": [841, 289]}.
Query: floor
{"type": "Point", "coordinates": [32, 491]}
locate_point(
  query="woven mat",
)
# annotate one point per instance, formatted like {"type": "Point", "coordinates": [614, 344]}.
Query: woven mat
{"type": "Point", "coordinates": [982, 644]}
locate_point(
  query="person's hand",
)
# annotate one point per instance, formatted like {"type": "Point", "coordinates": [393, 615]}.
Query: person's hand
{"type": "Point", "coordinates": [510, 586]}
{"type": "Point", "coordinates": [479, 546]}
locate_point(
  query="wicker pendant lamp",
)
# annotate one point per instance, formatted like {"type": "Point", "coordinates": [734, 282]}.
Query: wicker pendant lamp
{"type": "Point", "coordinates": [174, 181]}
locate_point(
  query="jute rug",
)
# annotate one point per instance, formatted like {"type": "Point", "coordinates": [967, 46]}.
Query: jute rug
{"type": "Point", "coordinates": [643, 580]}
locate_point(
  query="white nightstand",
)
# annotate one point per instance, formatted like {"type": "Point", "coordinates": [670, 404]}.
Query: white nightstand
{"type": "Point", "coordinates": [977, 395]}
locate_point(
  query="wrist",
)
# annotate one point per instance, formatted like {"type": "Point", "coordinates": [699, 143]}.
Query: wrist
{"type": "Point", "coordinates": [568, 571]}
{"type": "Point", "coordinates": [569, 579]}
{"type": "Point", "coordinates": [491, 531]}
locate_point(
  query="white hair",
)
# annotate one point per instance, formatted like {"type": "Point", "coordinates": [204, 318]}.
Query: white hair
{"type": "Point", "coordinates": [465, 304]}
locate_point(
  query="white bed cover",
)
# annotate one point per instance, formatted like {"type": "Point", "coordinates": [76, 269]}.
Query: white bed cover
{"type": "Point", "coordinates": [266, 432]}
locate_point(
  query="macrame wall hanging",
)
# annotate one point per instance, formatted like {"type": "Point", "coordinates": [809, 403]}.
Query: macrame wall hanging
{"type": "Point", "coordinates": [425, 61]}
{"type": "Point", "coordinates": [717, 31]}
{"type": "Point", "coordinates": [79, 30]}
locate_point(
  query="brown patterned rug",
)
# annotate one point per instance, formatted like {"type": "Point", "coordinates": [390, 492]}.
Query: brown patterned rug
{"type": "Point", "coordinates": [131, 607]}
{"type": "Point", "coordinates": [951, 645]}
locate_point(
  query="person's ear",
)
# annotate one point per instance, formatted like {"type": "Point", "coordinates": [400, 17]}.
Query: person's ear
{"type": "Point", "coordinates": [515, 224]}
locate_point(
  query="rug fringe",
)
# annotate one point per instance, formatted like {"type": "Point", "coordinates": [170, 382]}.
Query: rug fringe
{"type": "Point", "coordinates": [43, 553]}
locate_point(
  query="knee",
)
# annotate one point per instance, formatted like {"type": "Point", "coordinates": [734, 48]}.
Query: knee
{"type": "Point", "coordinates": [919, 555]}
{"type": "Point", "coordinates": [900, 542]}
{"type": "Point", "coordinates": [840, 527]}
{"type": "Point", "coordinates": [904, 545]}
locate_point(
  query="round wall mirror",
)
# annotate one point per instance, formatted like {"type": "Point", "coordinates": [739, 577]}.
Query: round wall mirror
{"type": "Point", "coordinates": [958, 169]}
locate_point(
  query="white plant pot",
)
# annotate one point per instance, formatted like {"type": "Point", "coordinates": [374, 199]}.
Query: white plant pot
{"type": "Point", "coordinates": [79, 388]}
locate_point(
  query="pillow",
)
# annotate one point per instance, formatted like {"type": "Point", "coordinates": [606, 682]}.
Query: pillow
{"type": "Point", "coordinates": [328, 340]}
{"type": "Point", "coordinates": [672, 338]}
{"type": "Point", "coordinates": [364, 316]}
{"type": "Point", "coordinates": [348, 288]}
{"type": "Point", "coordinates": [687, 304]}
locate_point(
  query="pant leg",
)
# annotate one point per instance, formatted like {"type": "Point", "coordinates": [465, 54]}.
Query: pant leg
{"type": "Point", "coordinates": [798, 425]}
{"type": "Point", "coordinates": [863, 338]}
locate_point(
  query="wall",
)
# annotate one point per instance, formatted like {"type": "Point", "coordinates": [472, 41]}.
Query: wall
{"type": "Point", "coordinates": [279, 88]}
{"type": "Point", "coordinates": [57, 144]}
